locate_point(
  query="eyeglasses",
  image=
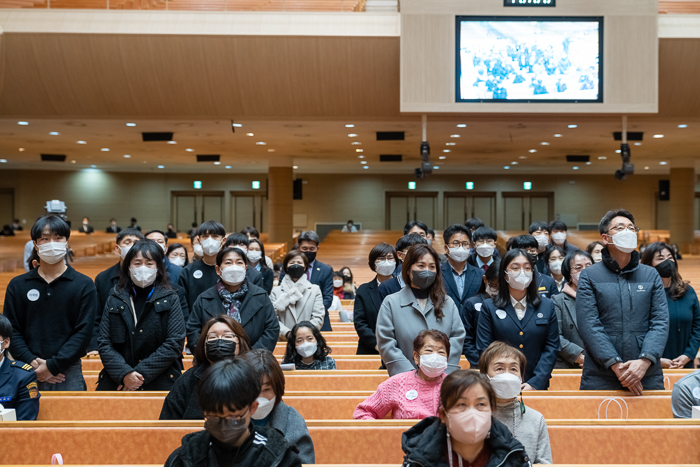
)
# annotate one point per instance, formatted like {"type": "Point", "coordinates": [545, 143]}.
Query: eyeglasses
{"type": "Point", "coordinates": [384, 258]}
{"type": "Point", "coordinates": [465, 245]}
{"type": "Point", "coordinates": [579, 268]}
{"type": "Point", "coordinates": [517, 270]}
{"type": "Point", "coordinates": [620, 228]}
{"type": "Point", "coordinates": [228, 337]}
{"type": "Point", "coordinates": [234, 419]}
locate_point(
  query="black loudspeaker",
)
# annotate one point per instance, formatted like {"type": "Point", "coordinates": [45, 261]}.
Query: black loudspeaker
{"type": "Point", "coordinates": [297, 188]}
{"type": "Point", "coordinates": [664, 190]}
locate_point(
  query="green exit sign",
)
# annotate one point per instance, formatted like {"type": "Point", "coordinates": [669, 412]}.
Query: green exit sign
{"type": "Point", "coordinates": [198, 185]}
{"type": "Point", "coordinates": [256, 185]}
{"type": "Point", "coordinates": [527, 185]}
{"type": "Point", "coordinates": [411, 185]}
{"type": "Point", "coordinates": [470, 185]}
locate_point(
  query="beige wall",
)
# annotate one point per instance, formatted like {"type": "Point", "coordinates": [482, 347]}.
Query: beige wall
{"type": "Point", "coordinates": [326, 198]}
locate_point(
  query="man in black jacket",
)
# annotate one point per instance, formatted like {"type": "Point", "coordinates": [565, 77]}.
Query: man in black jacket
{"type": "Point", "coordinates": [52, 311]}
{"type": "Point", "coordinates": [227, 394]}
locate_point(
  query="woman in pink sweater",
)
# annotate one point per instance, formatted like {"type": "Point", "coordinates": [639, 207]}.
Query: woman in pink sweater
{"type": "Point", "coordinates": [413, 394]}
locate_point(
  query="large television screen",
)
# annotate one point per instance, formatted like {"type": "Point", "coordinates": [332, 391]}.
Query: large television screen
{"type": "Point", "coordinates": [529, 59]}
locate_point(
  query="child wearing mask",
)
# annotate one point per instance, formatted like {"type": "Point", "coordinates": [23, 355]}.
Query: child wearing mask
{"type": "Point", "coordinates": [338, 282]}
{"type": "Point", "coordinates": [412, 394]}
{"type": "Point", "coordinates": [307, 348]}
{"type": "Point", "coordinates": [227, 394]}
{"type": "Point", "coordinates": [505, 367]}
{"type": "Point", "coordinates": [464, 430]}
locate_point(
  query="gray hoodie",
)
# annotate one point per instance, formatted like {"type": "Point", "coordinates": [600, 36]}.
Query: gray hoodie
{"type": "Point", "coordinates": [528, 428]}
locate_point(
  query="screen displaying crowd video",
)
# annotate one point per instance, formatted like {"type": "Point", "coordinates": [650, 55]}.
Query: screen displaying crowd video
{"type": "Point", "coordinates": [529, 59]}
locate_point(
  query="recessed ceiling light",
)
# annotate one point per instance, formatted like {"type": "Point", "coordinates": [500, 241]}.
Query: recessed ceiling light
{"type": "Point", "coordinates": [93, 166]}
{"type": "Point", "coordinates": [217, 163]}
{"type": "Point", "coordinates": [446, 150]}
{"type": "Point", "coordinates": [663, 163]}
{"type": "Point", "coordinates": [365, 166]}
{"type": "Point", "coordinates": [462, 125]}
{"type": "Point", "coordinates": [435, 167]}
{"type": "Point", "coordinates": [250, 134]}
{"type": "Point", "coordinates": [363, 162]}
{"type": "Point", "coordinates": [588, 163]}
{"type": "Point", "coordinates": [506, 167]}
{"type": "Point", "coordinates": [81, 142]}
{"type": "Point", "coordinates": [454, 136]}
{"type": "Point", "coordinates": [557, 135]}
{"type": "Point", "coordinates": [161, 166]}
{"type": "Point", "coordinates": [442, 157]}
{"type": "Point", "coordinates": [575, 167]}
{"type": "Point", "coordinates": [532, 151]}
{"type": "Point", "coordinates": [573, 126]}
{"type": "Point", "coordinates": [3, 161]}
{"type": "Point", "coordinates": [682, 126]}
{"type": "Point", "coordinates": [360, 157]}
{"type": "Point", "coordinates": [73, 161]}
{"type": "Point", "coordinates": [355, 143]}
{"type": "Point", "coordinates": [21, 149]}
{"type": "Point", "coordinates": [602, 158]}
{"type": "Point", "coordinates": [189, 150]}
{"type": "Point", "coordinates": [359, 150]}
{"type": "Point", "coordinates": [352, 135]}
{"type": "Point", "coordinates": [522, 157]}
{"type": "Point", "coordinates": [130, 124]}
{"type": "Point", "coordinates": [237, 125]}
{"type": "Point", "coordinates": [228, 166]}
{"type": "Point", "coordinates": [514, 163]}
{"type": "Point", "coordinates": [261, 143]}
{"type": "Point", "coordinates": [23, 123]}
{"type": "Point", "coordinates": [658, 136]}
{"type": "Point", "coordinates": [646, 167]}
{"type": "Point", "coordinates": [53, 133]}
{"type": "Point", "coordinates": [271, 150]}
{"type": "Point", "coordinates": [349, 125]}
{"type": "Point", "coordinates": [637, 144]}
{"type": "Point", "coordinates": [450, 144]}
{"type": "Point", "coordinates": [618, 151]}
{"type": "Point", "coordinates": [544, 143]}
{"type": "Point", "coordinates": [104, 149]}
{"type": "Point", "coordinates": [127, 156]}
{"type": "Point", "coordinates": [295, 167]}
{"type": "Point", "coordinates": [172, 142]}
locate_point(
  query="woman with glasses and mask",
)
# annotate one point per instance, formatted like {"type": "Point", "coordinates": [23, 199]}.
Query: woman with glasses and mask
{"type": "Point", "coordinates": [227, 394]}
{"type": "Point", "coordinates": [683, 309]}
{"type": "Point", "coordinates": [465, 432]}
{"type": "Point", "coordinates": [421, 305]}
{"type": "Point", "coordinates": [554, 258]}
{"type": "Point", "coordinates": [571, 354]}
{"type": "Point", "coordinates": [222, 337]}
{"type": "Point", "coordinates": [382, 261]}
{"type": "Point", "coordinates": [520, 316]}
{"type": "Point", "coordinates": [142, 330]}
{"type": "Point", "coordinates": [296, 299]}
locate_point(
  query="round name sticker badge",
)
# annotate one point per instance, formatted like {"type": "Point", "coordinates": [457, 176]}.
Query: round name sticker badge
{"type": "Point", "coordinates": [501, 314]}
{"type": "Point", "coordinates": [477, 306]}
{"type": "Point", "coordinates": [540, 315]}
{"type": "Point", "coordinates": [696, 392]}
{"type": "Point", "coordinates": [197, 274]}
{"type": "Point", "coordinates": [412, 394]}
{"type": "Point", "coordinates": [33, 295]}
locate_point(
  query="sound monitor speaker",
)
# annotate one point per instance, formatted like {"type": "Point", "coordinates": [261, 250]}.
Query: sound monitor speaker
{"type": "Point", "coordinates": [297, 188]}
{"type": "Point", "coordinates": [664, 190]}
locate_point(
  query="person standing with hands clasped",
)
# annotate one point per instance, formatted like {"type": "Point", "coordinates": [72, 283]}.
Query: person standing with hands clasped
{"type": "Point", "coordinates": [622, 314]}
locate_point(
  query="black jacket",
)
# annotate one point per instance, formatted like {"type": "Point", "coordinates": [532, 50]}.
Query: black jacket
{"type": "Point", "coordinates": [267, 278]}
{"type": "Point", "coordinates": [258, 317]}
{"type": "Point", "coordinates": [153, 347]}
{"type": "Point", "coordinates": [426, 445]}
{"type": "Point", "coordinates": [473, 278]}
{"type": "Point", "coordinates": [266, 447]}
{"type": "Point", "coordinates": [181, 402]}
{"type": "Point", "coordinates": [367, 303]}
{"type": "Point", "coordinates": [387, 288]}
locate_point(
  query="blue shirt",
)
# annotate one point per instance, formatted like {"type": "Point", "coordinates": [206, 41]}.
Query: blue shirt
{"type": "Point", "coordinates": [481, 263]}
{"type": "Point", "coordinates": [459, 280]}
{"type": "Point", "coordinates": [258, 266]}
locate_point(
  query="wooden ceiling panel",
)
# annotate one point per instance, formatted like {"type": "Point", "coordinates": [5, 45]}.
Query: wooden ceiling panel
{"type": "Point", "coordinates": [679, 67]}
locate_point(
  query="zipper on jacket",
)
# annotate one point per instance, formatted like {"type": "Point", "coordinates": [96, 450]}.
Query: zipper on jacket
{"type": "Point", "coordinates": [506, 457]}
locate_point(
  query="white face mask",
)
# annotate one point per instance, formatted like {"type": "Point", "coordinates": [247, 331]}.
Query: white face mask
{"type": "Point", "coordinates": [52, 252]}
{"type": "Point", "coordinates": [337, 283]}
{"type": "Point", "coordinates": [433, 365]}
{"type": "Point", "coordinates": [459, 254]}
{"type": "Point", "coordinates": [265, 406]}
{"type": "Point", "coordinates": [521, 281]}
{"type": "Point", "coordinates": [555, 266]}
{"type": "Point", "coordinates": [143, 276]}
{"type": "Point", "coordinates": [210, 246]}
{"type": "Point", "coordinates": [178, 261]}
{"type": "Point", "coordinates": [233, 275]}
{"type": "Point", "coordinates": [307, 349]}
{"type": "Point", "coordinates": [485, 250]}
{"type": "Point", "coordinates": [385, 268]}
{"type": "Point", "coordinates": [597, 257]}
{"type": "Point", "coordinates": [254, 256]}
{"type": "Point", "coordinates": [491, 292]}
{"type": "Point", "coordinates": [123, 250]}
{"type": "Point", "coordinates": [559, 238]}
{"type": "Point", "coordinates": [506, 385]}
{"type": "Point", "coordinates": [575, 276]}
{"type": "Point", "coordinates": [625, 241]}
{"type": "Point", "coordinates": [542, 241]}
{"type": "Point", "coordinates": [430, 242]}
{"type": "Point", "coordinates": [2, 349]}
{"type": "Point", "coordinates": [198, 250]}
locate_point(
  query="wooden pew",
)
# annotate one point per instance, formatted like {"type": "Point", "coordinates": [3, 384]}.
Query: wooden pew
{"type": "Point", "coordinates": [657, 442]}
{"type": "Point", "coordinates": [569, 405]}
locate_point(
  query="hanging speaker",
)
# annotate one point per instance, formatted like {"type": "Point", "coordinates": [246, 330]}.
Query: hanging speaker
{"type": "Point", "coordinates": [664, 190]}
{"type": "Point", "coordinates": [297, 188]}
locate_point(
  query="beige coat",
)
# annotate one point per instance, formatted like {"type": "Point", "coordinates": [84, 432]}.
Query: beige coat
{"type": "Point", "coordinates": [296, 302]}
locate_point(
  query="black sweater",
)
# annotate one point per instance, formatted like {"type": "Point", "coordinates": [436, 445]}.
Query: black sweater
{"type": "Point", "coordinates": [51, 321]}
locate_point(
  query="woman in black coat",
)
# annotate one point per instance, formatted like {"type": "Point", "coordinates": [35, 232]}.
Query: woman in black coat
{"type": "Point", "coordinates": [382, 260]}
{"type": "Point", "coordinates": [256, 260]}
{"type": "Point", "coordinates": [236, 297]}
{"type": "Point", "coordinates": [222, 337]}
{"type": "Point", "coordinates": [142, 331]}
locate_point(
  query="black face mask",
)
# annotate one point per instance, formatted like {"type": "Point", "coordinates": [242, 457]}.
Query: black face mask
{"type": "Point", "coordinates": [226, 431]}
{"type": "Point", "coordinates": [295, 271]}
{"type": "Point", "coordinates": [666, 268]}
{"type": "Point", "coordinates": [423, 279]}
{"type": "Point", "coordinates": [310, 255]}
{"type": "Point", "coordinates": [533, 256]}
{"type": "Point", "coordinates": [220, 349]}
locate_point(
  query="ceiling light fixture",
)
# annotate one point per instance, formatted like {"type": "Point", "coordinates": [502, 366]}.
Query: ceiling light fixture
{"type": "Point", "coordinates": [295, 167]}
{"type": "Point", "coordinates": [93, 166]}
{"type": "Point", "coordinates": [161, 166]}
{"type": "Point", "coordinates": [365, 166]}
{"type": "Point", "coordinates": [682, 126]}
{"type": "Point", "coordinates": [359, 150]}
{"type": "Point", "coordinates": [172, 142]}
{"type": "Point", "coordinates": [461, 125]}
{"type": "Point", "coordinates": [544, 143]}
{"type": "Point", "coordinates": [127, 156]}
{"type": "Point", "coordinates": [646, 167]}
{"type": "Point", "coordinates": [435, 167]}
{"type": "Point", "coordinates": [23, 123]}
{"type": "Point", "coordinates": [352, 135]}
{"type": "Point", "coordinates": [189, 150]}
{"type": "Point", "coordinates": [53, 133]}
{"type": "Point", "coordinates": [250, 134]}
{"type": "Point", "coordinates": [360, 157]}
{"type": "Point", "coordinates": [349, 125]}
{"type": "Point", "coordinates": [104, 149]}
{"type": "Point", "coordinates": [446, 150]}
{"type": "Point", "coordinates": [271, 150]}
{"type": "Point", "coordinates": [355, 143]}
{"type": "Point", "coordinates": [450, 144]}
{"type": "Point", "coordinates": [217, 163]}
{"type": "Point", "coordinates": [21, 149]}
{"type": "Point", "coordinates": [522, 157]}
{"type": "Point", "coordinates": [261, 143]}
{"type": "Point", "coordinates": [658, 136]}
{"type": "Point", "coordinates": [532, 151]}
{"type": "Point", "coordinates": [228, 166]}
{"type": "Point", "coordinates": [663, 163]}
{"type": "Point", "coordinates": [557, 135]}
{"type": "Point", "coordinates": [575, 167]}
{"type": "Point", "coordinates": [573, 126]}
{"type": "Point", "coordinates": [73, 161]}
{"type": "Point", "coordinates": [363, 162]}
{"type": "Point", "coordinates": [81, 142]}
{"type": "Point", "coordinates": [506, 167]}
{"type": "Point", "coordinates": [637, 144]}
{"type": "Point", "coordinates": [130, 124]}
{"type": "Point", "coordinates": [3, 161]}
{"type": "Point", "coordinates": [237, 125]}
{"type": "Point", "coordinates": [454, 136]}
{"type": "Point", "coordinates": [602, 158]}
{"type": "Point", "coordinates": [442, 157]}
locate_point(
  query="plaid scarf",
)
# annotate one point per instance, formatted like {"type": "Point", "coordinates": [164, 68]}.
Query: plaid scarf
{"type": "Point", "coordinates": [231, 301]}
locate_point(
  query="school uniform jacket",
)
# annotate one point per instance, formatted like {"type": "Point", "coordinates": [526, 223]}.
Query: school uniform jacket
{"type": "Point", "coordinates": [472, 282]}
{"type": "Point", "coordinates": [537, 336]}
{"type": "Point", "coordinates": [258, 317]}
{"type": "Point", "coordinates": [18, 389]}
{"type": "Point", "coordinates": [367, 303]}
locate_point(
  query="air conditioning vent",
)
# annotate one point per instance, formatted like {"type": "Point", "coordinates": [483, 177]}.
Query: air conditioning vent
{"type": "Point", "coordinates": [578, 158]}
{"type": "Point", "coordinates": [158, 136]}
{"type": "Point", "coordinates": [390, 158]}
{"type": "Point", "coordinates": [208, 157]}
{"type": "Point", "coordinates": [53, 157]}
{"type": "Point", "coordinates": [390, 136]}
{"type": "Point", "coordinates": [631, 135]}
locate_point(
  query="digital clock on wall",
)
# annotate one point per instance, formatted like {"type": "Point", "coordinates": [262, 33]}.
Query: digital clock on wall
{"type": "Point", "coordinates": [530, 3]}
